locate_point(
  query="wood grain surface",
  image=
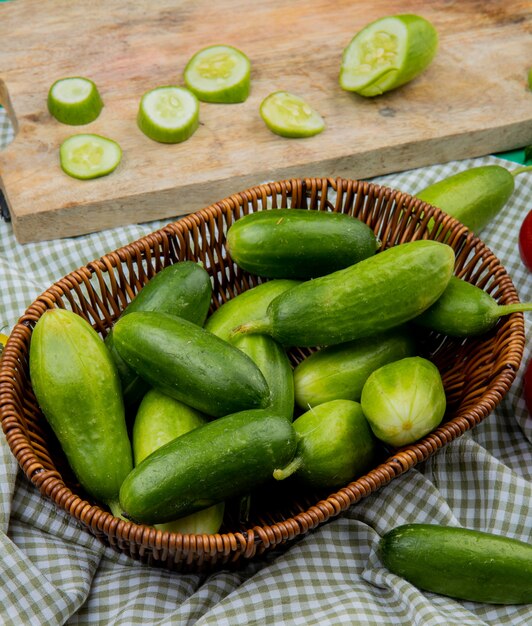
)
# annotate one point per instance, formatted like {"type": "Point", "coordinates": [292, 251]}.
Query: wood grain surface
{"type": "Point", "coordinates": [472, 100]}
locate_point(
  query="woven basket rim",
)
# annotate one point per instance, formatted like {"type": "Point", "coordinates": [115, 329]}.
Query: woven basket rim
{"type": "Point", "coordinates": [241, 543]}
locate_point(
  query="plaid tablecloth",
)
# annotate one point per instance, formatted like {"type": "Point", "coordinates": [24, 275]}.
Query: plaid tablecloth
{"type": "Point", "coordinates": [52, 572]}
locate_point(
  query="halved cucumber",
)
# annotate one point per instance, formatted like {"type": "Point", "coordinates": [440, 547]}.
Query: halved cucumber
{"type": "Point", "coordinates": [87, 156]}
{"type": "Point", "coordinates": [289, 115]}
{"type": "Point", "coordinates": [219, 73]}
{"type": "Point", "coordinates": [388, 53]}
{"type": "Point", "coordinates": [168, 114]}
{"type": "Point", "coordinates": [74, 100]}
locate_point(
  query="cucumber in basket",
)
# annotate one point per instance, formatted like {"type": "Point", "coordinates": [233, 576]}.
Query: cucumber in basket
{"type": "Point", "coordinates": [335, 444]}
{"type": "Point", "coordinates": [381, 292]}
{"type": "Point", "coordinates": [159, 420]}
{"type": "Point", "coordinates": [183, 289]}
{"type": "Point", "coordinates": [189, 363]}
{"type": "Point", "coordinates": [340, 371]}
{"type": "Point", "coordinates": [297, 243]}
{"type": "Point", "coordinates": [85, 411]}
{"type": "Point", "coordinates": [265, 352]}
{"type": "Point", "coordinates": [465, 310]}
{"type": "Point", "coordinates": [460, 563]}
{"type": "Point", "coordinates": [227, 457]}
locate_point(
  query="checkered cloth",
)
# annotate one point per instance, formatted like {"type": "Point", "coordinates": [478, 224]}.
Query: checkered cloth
{"type": "Point", "coordinates": [52, 572]}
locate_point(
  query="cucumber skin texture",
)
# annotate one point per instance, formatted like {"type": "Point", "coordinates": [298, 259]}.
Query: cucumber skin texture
{"type": "Point", "coordinates": [189, 363]}
{"type": "Point", "coordinates": [339, 372]}
{"type": "Point", "coordinates": [161, 419]}
{"type": "Point", "coordinates": [266, 353]}
{"type": "Point", "coordinates": [376, 294]}
{"type": "Point", "coordinates": [273, 362]}
{"type": "Point", "coordinates": [404, 400]}
{"type": "Point", "coordinates": [76, 384]}
{"type": "Point", "coordinates": [460, 563]}
{"type": "Point", "coordinates": [335, 443]}
{"type": "Point", "coordinates": [183, 289]}
{"type": "Point", "coordinates": [224, 458]}
{"type": "Point", "coordinates": [247, 305]}
{"type": "Point", "coordinates": [298, 243]}
{"type": "Point", "coordinates": [474, 197]}
{"type": "Point", "coordinates": [463, 310]}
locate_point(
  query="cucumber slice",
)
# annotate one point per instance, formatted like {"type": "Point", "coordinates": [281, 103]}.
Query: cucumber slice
{"type": "Point", "coordinates": [87, 156]}
{"type": "Point", "coordinates": [74, 101]}
{"type": "Point", "coordinates": [387, 54]}
{"type": "Point", "coordinates": [289, 115]}
{"type": "Point", "coordinates": [219, 74]}
{"type": "Point", "coordinates": [168, 114]}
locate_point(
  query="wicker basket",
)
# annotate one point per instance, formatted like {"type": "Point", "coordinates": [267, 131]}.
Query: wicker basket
{"type": "Point", "coordinates": [476, 372]}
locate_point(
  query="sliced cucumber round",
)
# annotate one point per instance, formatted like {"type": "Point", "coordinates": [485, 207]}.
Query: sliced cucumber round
{"type": "Point", "coordinates": [219, 74]}
{"type": "Point", "coordinates": [387, 54]}
{"type": "Point", "coordinates": [289, 115]}
{"type": "Point", "coordinates": [168, 114]}
{"type": "Point", "coordinates": [75, 101]}
{"type": "Point", "coordinates": [87, 156]}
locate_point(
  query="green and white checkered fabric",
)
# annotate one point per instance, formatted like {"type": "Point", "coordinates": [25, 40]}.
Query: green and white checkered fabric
{"type": "Point", "coordinates": [53, 572]}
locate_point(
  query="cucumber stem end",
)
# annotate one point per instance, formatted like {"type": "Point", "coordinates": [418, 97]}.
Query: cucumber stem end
{"type": "Point", "coordinates": [288, 470]}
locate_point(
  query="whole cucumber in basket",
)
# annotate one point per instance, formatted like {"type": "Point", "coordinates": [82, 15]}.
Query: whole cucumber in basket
{"type": "Point", "coordinates": [161, 419]}
{"type": "Point", "coordinates": [266, 353]}
{"type": "Point", "coordinates": [77, 387]}
{"type": "Point", "coordinates": [460, 562]}
{"type": "Point", "coordinates": [404, 400]}
{"type": "Point", "coordinates": [335, 445]}
{"type": "Point", "coordinates": [189, 363]}
{"type": "Point", "coordinates": [183, 289]}
{"type": "Point", "coordinates": [298, 243]}
{"type": "Point", "coordinates": [465, 310]}
{"type": "Point", "coordinates": [474, 196]}
{"type": "Point", "coordinates": [374, 295]}
{"type": "Point", "coordinates": [340, 371]}
{"type": "Point", "coordinates": [219, 460]}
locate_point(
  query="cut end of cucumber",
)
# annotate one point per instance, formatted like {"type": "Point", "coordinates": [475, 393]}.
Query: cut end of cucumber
{"type": "Point", "coordinates": [219, 74]}
{"type": "Point", "coordinates": [74, 101]}
{"type": "Point", "coordinates": [288, 115]}
{"type": "Point", "coordinates": [386, 54]}
{"type": "Point", "coordinates": [168, 114]}
{"type": "Point", "coordinates": [373, 57]}
{"type": "Point", "coordinates": [86, 156]}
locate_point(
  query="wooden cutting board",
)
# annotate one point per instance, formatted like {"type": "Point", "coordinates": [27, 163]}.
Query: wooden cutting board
{"type": "Point", "coordinates": [471, 101]}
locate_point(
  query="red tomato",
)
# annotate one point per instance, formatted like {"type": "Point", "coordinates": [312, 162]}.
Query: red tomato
{"type": "Point", "coordinates": [525, 241]}
{"type": "Point", "coordinates": [527, 386]}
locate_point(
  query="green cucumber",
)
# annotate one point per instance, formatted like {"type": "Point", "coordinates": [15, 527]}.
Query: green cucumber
{"type": "Point", "coordinates": [374, 295]}
{"type": "Point", "coordinates": [168, 114]}
{"type": "Point", "coordinates": [189, 363]}
{"type": "Point", "coordinates": [183, 289]}
{"type": "Point", "coordinates": [222, 459]}
{"type": "Point", "coordinates": [297, 243]}
{"type": "Point", "coordinates": [86, 156]}
{"type": "Point", "coordinates": [289, 115]}
{"type": "Point", "coordinates": [335, 445]}
{"type": "Point", "coordinates": [266, 353]}
{"type": "Point", "coordinates": [245, 306]}
{"type": "Point", "coordinates": [161, 419]}
{"type": "Point", "coordinates": [77, 387]}
{"type": "Point", "coordinates": [404, 400]}
{"type": "Point", "coordinates": [273, 362]}
{"type": "Point", "coordinates": [339, 372]}
{"type": "Point", "coordinates": [219, 73]}
{"type": "Point", "coordinates": [475, 196]}
{"type": "Point", "coordinates": [388, 53]}
{"type": "Point", "coordinates": [74, 100]}
{"type": "Point", "coordinates": [465, 310]}
{"type": "Point", "coordinates": [461, 563]}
